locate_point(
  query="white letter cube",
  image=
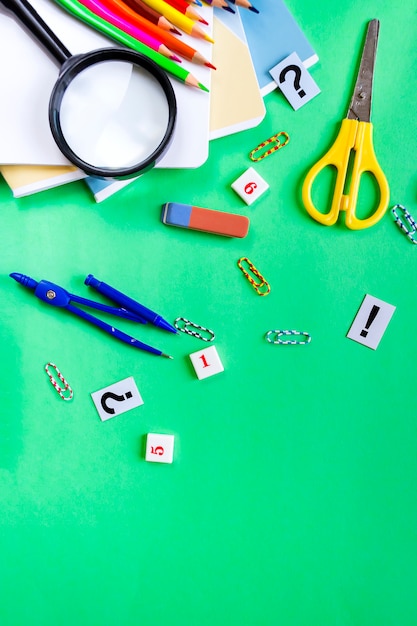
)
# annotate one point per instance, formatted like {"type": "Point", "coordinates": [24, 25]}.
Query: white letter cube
{"type": "Point", "coordinates": [159, 448]}
{"type": "Point", "coordinates": [250, 185]}
{"type": "Point", "coordinates": [206, 362]}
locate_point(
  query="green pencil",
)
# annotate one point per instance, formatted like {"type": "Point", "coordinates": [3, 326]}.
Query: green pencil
{"type": "Point", "coordinates": [87, 16]}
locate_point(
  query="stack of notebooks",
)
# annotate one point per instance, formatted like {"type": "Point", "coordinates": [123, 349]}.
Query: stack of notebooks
{"type": "Point", "coordinates": [246, 47]}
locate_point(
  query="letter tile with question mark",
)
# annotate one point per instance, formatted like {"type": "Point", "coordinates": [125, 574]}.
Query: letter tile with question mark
{"type": "Point", "coordinates": [250, 185]}
{"type": "Point", "coordinates": [117, 398]}
{"type": "Point", "coordinates": [159, 448]}
{"type": "Point", "coordinates": [294, 80]}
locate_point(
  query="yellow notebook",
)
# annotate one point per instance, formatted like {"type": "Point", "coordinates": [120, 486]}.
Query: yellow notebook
{"type": "Point", "coordinates": [236, 102]}
{"type": "Point", "coordinates": [24, 180]}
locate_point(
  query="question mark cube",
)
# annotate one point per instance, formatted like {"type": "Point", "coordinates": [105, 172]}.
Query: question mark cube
{"type": "Point", "coordinates": [117, 398]}
{"type": "Point", "coordinates": [250, 185]}
{"type": "Point", "coordinates": [294, 80]}
{"type": "Point", "coordinates": [159, 448]}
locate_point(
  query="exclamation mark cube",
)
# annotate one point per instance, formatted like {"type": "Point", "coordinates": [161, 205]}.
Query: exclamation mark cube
{"type": "Point", "coordinates": [371, 322]}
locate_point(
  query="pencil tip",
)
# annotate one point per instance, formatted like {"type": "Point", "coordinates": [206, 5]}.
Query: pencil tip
{"type": "Point", "coordinates": [193, 82]}
{"type": "Point", "coordinates": [174, 31]}
{"type": "Point", "coordinates": [167, 356]}
{"type": "Point", "coordinates": [173, 57]}
{"type": "Point", "coordinates": [210, 65]}
{"type": "Point", "coordinates": [203, 21]}
{"type": "Point", "coordinates": [229, 9]}
{"type": "Point", "coordinates": [252, 8]}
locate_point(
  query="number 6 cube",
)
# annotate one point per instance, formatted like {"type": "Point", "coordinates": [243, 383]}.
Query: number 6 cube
{"type": "Point", "coordinates": [250, 185]}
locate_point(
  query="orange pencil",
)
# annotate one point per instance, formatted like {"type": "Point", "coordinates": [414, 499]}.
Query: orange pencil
{"type": "Point", "coordinates": [152, 16]}
{"type": "Point", "coordinates": [183, 7]}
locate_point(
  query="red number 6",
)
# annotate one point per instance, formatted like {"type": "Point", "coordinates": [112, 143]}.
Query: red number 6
{"type": "Point", "coordinates": [249, 188]}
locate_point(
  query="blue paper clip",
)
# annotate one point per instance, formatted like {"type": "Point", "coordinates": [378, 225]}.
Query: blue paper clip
{"type": "Point", "coordinates": [274, 336]}
{"type": "Point", "coordinates": [408, 218]}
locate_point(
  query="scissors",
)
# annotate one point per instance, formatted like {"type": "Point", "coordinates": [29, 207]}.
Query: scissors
{"type": "Point", "coordinates": [355, 136]}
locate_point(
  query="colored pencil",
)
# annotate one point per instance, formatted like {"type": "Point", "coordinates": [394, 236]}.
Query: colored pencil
{"type": "Point", "coordinates": [145, 37]}
{"type": "Point", "coordinates": [245, 4]}
{"type": "Point", "coordinates": [152, 16]}
{"type": "Point", "coordinates": [220, 4]}
{"type": "Point", "coordinates": [124, 11]}
{"type": "Point", "coordinates": [79, 10]}
{"type": "Point", "coordinates": [183, 7]}
{"type": "Point", "coordinates": [178, 19]}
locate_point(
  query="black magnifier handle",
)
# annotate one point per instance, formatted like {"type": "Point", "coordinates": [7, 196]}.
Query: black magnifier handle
{"type": "Point", "coordinates": [35, 24]}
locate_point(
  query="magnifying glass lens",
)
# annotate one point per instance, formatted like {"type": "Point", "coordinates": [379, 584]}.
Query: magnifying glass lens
{"type": "Point", "coordinates": [113, 114]}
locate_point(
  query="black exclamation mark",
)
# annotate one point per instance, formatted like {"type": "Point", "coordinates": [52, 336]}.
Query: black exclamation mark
{"type": "Point", "coordinates": [372, 316]}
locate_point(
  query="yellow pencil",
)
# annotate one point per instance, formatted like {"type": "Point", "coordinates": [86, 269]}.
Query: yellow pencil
{"type": "Point", "coordinates": [178, 19]}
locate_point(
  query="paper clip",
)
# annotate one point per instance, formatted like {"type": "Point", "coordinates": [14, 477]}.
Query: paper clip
{"type": "Point", "coordinates": [274, 139]}
{"type": "Point", "coordinates": [274, 336]}
{"type": "Point", "coordinates": [262, 287]}
{"type": "Point", "coordinates": [407, 217]}
{"type": "Point", "coordinates": [61, 390]}
{"type": "Point", "coordinates": [184, 326]}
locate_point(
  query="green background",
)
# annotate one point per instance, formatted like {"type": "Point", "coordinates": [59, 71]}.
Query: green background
{"type": "Point", "coordinates": [291, 499]}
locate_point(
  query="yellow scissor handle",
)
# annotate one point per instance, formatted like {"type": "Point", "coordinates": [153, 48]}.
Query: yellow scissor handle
{"type": "Point", "coordinates": [356, 136]}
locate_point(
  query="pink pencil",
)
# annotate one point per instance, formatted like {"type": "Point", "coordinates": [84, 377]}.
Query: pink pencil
{"type": "Point", "coordinates": [102, 11]}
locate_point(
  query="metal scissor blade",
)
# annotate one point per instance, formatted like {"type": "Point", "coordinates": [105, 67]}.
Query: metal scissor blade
{"type": "Point", "coordinates": [360, 105]}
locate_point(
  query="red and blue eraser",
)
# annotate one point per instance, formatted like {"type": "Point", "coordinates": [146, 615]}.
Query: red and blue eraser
{"type": "Point", "coordinates": [207, 220]}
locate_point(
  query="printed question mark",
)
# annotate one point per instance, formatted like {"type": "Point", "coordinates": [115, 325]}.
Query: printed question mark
{"type": "Point", "coordinates": [114, 396]}
{"type": "Point", "coordinates": [296, 81]}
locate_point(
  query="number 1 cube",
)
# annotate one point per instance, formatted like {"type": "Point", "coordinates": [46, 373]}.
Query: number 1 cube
{"type": "Point", "coordinates": [206, 362]}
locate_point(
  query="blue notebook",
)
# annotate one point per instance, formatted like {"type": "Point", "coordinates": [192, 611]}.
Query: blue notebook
{"type": "Point", "coordinates": [103, 188]}
{"type": "Point", "coordinates": [272, 35]}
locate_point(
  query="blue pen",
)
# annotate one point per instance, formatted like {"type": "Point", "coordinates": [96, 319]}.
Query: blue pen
{"type": "Point", "coordinates": [57, 296]}
{"type": "Point", "coordinates": [128, 303]}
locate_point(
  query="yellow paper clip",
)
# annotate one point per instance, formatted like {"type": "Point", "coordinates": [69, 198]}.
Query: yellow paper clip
{"type": "Point", "coordinates": [274, 139]}
{"type": "Point", "coordinates": [262, 287]}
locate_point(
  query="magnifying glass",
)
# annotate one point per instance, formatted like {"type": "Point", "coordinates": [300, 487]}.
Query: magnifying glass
{"type": "Point", "coordinates": [112, 111]}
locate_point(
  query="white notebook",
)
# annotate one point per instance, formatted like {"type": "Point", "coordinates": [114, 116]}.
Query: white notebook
{"type": "Point", "coordinates": [28, 73]}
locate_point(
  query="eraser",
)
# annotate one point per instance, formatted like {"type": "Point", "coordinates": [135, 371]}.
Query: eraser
{"type": "Point", "coordinates": [206, 220]}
